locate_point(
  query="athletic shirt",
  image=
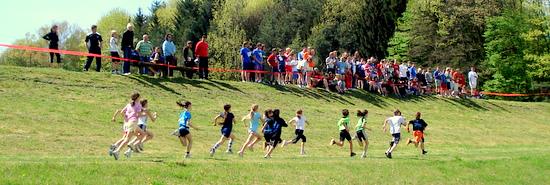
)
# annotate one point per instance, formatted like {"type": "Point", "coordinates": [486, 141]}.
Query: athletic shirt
{"type": "Point", "coordinates": [343, 123]}
{"type": "Point", "coordinates": [360, 123]}
{"type": "Point", "coordinates": [112, 45]}
{"type": "Point", "coordinates": [185, 116]}
{"type": "Point", "coordinates": [93, 40]}
{"type": "Point", "coordinates": [255, 121]}
{"type": "Point", "coordinates": [142, 120]}
{"type": "Point", "coordinates": [418, 124]}
{"type": "Point", "coordinates": [228, 121]}
{"type": "Point", "coordinates": [395, 124]}
{"type": "Point", "coordinates": [131, 113]}
{"type": "Point", "coordinates": [300, 122]}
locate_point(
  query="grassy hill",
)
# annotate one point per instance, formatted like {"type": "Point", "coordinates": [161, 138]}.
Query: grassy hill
{"type": "Point", "coordinates": [55, 128]}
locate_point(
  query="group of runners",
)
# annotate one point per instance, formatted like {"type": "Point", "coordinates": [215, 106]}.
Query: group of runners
{"type": "Point", "coordinates": [269, 126]}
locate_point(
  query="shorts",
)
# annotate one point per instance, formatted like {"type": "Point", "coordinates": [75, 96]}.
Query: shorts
{"type": "Point", "coordinates": [183, 132]}
{"type": "Point", "coordinates": [418, 136]}
{"type": "Point", "coordinates": [248, 66]}
{"type": "Point", "coordinates": [258, 66]}
{"type": "Point", "coordinates": [130, 126]}
{"type": "Point", "coordinates": [473, 85]}
{"type": "Point", "coordinates": [275, 70]}
{"type": "Point", "coordinates": [288, 69]}
{"type": "Point", "coordinates": [250, 131]}
{"type": "Point", "coordinates": [226, 132]}
{"type": "Point", "coordinates": [396, 137]}
{"type": "Point", "coordinates": [282, 69]}
{"type": "Point", "coordinates": [143, 127]}
{"type": "Point", "coordinates": [362, 136]}
{"type": "Point", "coordinates": [271, 140]}
{"type": "Point", "coordinates": [344, 134]}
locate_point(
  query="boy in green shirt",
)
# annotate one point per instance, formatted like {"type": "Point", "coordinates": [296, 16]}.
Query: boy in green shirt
{"type": "Point", "coordinates": [344, 132]}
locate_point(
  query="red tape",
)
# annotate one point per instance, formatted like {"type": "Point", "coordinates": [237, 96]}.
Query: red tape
{"type": "Point", "coordinates": [514, 94]}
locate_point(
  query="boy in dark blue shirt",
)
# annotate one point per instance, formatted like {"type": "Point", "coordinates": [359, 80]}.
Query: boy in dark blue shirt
{"type": "Point", "coordinates": [418, 132]}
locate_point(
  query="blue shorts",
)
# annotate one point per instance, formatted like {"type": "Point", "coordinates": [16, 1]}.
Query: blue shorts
{"type": "Point", "coordinates": [258, 66]}
{"type": "Point", "coordinates": [226, 132]}
{"type": "Point", "coordinates": [282, 69]}
{"type": "Point", "coordinates": [248, 66]}
{"type": "Point", "coordinates": [275, 70]}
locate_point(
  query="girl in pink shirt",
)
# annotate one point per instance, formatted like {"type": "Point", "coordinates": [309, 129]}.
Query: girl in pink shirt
{"type": "Point", "coordinates": [131, 113]}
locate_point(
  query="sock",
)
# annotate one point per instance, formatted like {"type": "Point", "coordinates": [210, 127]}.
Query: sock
{"type": "Point", "coordinates": [230, 145]}
{"type": "Point", "coordinates": [216, 146]}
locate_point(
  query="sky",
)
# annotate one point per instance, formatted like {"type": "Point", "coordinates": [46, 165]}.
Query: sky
{"type": "Point", "coordinates": [26, 16]}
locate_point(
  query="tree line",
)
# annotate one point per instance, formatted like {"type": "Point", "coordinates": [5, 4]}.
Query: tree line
{"type": "Point", "coordinates": [507, 40]}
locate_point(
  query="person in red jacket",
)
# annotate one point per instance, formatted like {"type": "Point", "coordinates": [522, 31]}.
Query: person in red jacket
{"type": "Point", "coordinates": [201, 51]}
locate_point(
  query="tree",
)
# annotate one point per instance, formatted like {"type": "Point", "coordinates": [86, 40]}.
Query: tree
{"type": "Point", "coordinates": [140, 23]}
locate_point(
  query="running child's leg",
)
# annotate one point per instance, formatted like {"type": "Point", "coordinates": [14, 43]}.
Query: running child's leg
{"type": "Point", "coordinates": [149, 136]}
{"type": "Point", "coordinates": [189, 139]}
{"type": "Point", "coordinates": [183, 141]}
{"type": "Point", "coordinates": [248, 140]}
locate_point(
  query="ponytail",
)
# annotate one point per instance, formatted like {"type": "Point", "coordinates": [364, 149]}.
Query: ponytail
{"type": "Point", "coordinates": [184, 104]}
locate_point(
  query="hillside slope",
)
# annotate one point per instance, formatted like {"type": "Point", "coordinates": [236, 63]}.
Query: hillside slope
{"type": "Point", "coordinates": [55, 128]}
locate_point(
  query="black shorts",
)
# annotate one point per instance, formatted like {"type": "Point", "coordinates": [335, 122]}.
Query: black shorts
{"type": "Point", "coordinates": [299, 136]}
{"type": "Point", "coordinates": [344, 134]}
{"type": "Point", "coordinates": [361, 136]}
{"type": "Point", "coordinates": [396, 138]}
{"type": "Point", "coordinates": [271, 140]}
{"type": "Point", "coordinates": [143, 127]}
{"type": "Point", "coordinates": [183, 132]}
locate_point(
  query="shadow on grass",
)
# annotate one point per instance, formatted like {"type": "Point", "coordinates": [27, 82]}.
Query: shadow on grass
{"type": "Point", "coordinates": [202, 84]}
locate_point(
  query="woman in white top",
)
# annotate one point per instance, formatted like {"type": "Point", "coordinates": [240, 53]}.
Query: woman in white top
{"type": "Point", "coordinates": [113, 48]}
{"type": "Point", "coordinates": [300, 122]}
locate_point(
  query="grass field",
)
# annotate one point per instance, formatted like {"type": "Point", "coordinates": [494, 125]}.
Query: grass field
{"type": "Point", "coordinates": [55, 128]}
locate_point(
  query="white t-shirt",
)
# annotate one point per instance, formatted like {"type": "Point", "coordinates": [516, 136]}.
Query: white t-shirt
{"type": "Point", "coordinates": [142, 120]}
{"type": "Point", "coordinates": [300, 122]}
{"type": "Point", "coordinates": [403, 71]}
{"type": "Point", "coordinates": [395, 124]}
{"type": "Point", "coordinates": [113, 46]}
{"type": "Point", "coordinates": [472, 77]}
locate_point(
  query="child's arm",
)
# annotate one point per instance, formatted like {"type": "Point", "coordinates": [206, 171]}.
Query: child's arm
{"type": "Point", "coordinates": [192, 126]}
{"type": "Point", "coordinates": [408, 127]}
{"type": "Point", "coordinates": [292, 122]}
{"type": "Point", "coordinates": [115, 115]}
{"type": "Point", "coordinates": [152, 116]}
{"type": "Point", "coordinates": [384, 126]}
{"type": "Point", "coordinates": [215, 118]}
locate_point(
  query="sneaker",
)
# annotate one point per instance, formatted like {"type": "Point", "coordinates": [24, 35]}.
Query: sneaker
{"type": "Point", "coordinates": [115, 154]}
{"type": "Point", "coordinates": [424, 152]}
{"type": "Point", "coordinates": [388, 155]}
{"type": "Point", "coordinates": [187, 156]}
{"type": "Point", "coordinates": [176, 133]}
{"type": "Point", "coordinates": [131, 147]}
{"type": "Point", "coordinates": [241, 153]}
{"type": "Point", "coordinates": [409, 141]}
{"type": "Point", "coordinates": [229, 151]}
{"type": "Point", "coordinates": [212, 151]}
{"type": "Point", "coordinates": [363, 156]}
{"type": "Point", "coordinates": [126, 74]}
{"type": "Point", "coordinates": [140, 146]}
{"type": "Point", "coordinates": [352, 154]}
{"type": "Point", "coordinates": [332, 142]}
{"type": "Point", "coordinates": [267, 156]}
{"type": "Point", "coordinates": [111, 149]}
{"type": "Point", "coordinates": [128, 153]}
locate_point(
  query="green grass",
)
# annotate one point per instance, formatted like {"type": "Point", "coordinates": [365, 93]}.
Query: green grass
{"type": "Point", "coordinates": [55, 129]}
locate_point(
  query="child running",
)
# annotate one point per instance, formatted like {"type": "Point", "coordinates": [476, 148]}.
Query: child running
{"type": "Point", "coordinates": [418, 132]}
{"type": "Point", "coordinates": [299, 122]}
{"type": "Point", "coordinates": [142, 124]}
{"type": "Point", "coordinates": [253, 137]}
{"type": "Point", "coordinates": [227, 127]}
{"type": "Point", "coordinates": [361, 135]}
{"type": "Point", "coordinates": [344, 132]}
{"type": "Point", "coordinates": [273, 130]}
{"type": "Point", "coordinates": [184, 123]}
{"type": "Point", "coordinates": [394, 123]}
{"type": "Point", "coordinates": [131, 113]}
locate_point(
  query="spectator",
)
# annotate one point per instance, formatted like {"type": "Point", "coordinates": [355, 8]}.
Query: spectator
{"type": "Point", "coordinates": [246, 62]}
{"type": "Point", "coordinates": [201, 51]}
{"type": "Point", "coordinates": [93, 42]}
{"type": "Point", "coordinates": [412, 71]}
{"type": "Point", "coordinates": [54, 43]}
{"type": "Point", "coordinates": [331, 62]}
{"type": "Point", "coordinates": [403, 68]}
{"type": "Point", "coordinates": [472, 80]}
{"type": "Point", "coordinates": [273, 63]}
{"type": "Point", "coordinates": [318, 80]}
{"type": "Point", "coordinates": [113, 48]}
{"type": "Point", "coordinates": [157, 58]}
{"type": "Point", "coordinates": [257, 62]}
{"type": "Point", "coordinates": [145, 49]}
{"type": "Point", "coordinates": [169, 51]}
{"type": "Point", "coordinates": [188, 57]}
{"type": "Point", "coordinates": [127, 45]}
